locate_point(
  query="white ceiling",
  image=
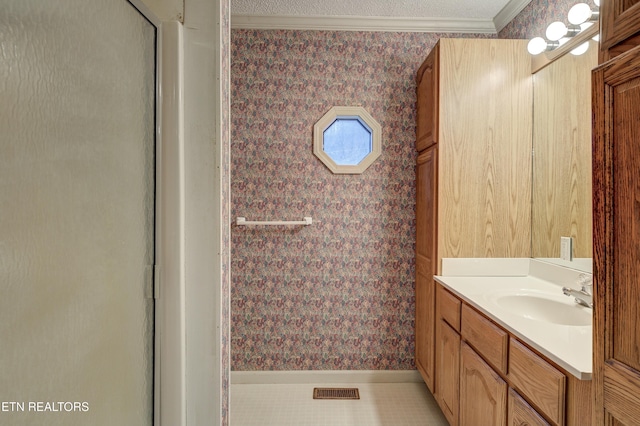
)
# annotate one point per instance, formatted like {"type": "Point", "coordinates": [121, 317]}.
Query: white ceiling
{"type": "Point", "coordinates": [486, 16]}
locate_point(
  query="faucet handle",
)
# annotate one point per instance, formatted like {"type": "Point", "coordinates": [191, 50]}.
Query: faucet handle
{"type": "Point", "coordinates": [585, 281]}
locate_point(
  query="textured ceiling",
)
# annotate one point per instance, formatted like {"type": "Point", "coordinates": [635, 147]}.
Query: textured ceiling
{"type": "Point", "coordinates": [451, 9]}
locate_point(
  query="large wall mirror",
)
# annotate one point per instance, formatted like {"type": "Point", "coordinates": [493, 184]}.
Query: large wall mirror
{"type": "Point", "coordinates": [561, 200]}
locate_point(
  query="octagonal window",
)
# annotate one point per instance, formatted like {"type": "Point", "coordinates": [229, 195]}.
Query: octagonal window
{"type": "Point", "coordinates": [347, 140]}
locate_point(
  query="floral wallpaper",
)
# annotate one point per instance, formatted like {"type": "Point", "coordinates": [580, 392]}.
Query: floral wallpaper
{"type": "Point", "coordinates": [534, 19]}
{"type": "Point", "coordinates": [338, 294]}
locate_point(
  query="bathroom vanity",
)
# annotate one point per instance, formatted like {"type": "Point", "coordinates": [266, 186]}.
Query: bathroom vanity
{"type": "Point", "coordinates": [511, 348]}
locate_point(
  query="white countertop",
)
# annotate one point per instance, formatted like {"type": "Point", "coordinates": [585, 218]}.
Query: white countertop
{"type": "Point", "coordinates": [569, 346]}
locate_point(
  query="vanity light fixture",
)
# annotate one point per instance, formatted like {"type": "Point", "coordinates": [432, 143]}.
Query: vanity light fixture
{"type": "Point", "coordinates": [581, 13]}
{"type": "Point", "coordinates": [581, 16]}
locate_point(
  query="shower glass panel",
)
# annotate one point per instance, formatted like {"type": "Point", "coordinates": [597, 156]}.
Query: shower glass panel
{"type": "Point", "coordinates": [77, 177]}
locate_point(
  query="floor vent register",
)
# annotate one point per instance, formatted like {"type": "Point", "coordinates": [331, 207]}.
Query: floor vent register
{"type": "Point", "coordinates": [336, 393]}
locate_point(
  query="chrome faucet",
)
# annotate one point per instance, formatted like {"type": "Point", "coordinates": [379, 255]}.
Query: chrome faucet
{"type": "Point", "coordinates": [584, 296]}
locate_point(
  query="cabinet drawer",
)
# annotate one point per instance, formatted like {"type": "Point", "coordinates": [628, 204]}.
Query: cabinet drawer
{"type": "Point", "coordinates": [538, 381]}
{"type": "Point", "coordinates": [449, 308]}
{"type": "Point", "coordinates": [520, 413]}
{"type": "Point", "coordinates": [489, 340]}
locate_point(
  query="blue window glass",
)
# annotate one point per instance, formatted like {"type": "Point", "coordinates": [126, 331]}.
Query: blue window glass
{"type": "Point", "coordinates": [347, 141]}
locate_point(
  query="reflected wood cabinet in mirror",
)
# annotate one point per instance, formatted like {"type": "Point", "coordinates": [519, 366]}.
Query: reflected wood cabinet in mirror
{"type": "Point", "coordinates": [616, 164]}
{"type": "Point", "coordinates": [473, 173]}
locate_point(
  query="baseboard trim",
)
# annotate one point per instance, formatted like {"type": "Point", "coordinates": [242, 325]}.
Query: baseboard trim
{"type": "Point", "coordinates": [325, 376]}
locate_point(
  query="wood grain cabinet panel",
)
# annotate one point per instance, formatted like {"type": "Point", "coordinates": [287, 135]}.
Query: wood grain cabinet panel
{"type": "Point", "coordinates": [488, 339]}
{"type": "Point", "coordinates": [522, 414]}
{"type": "Point", "coordinates": [616, 165]}
{"type": "Point", "coordinates": [485, 127]}
{"type": "Point", "coordinates": [448, 354]}
{"type": "Point", "coordinates": [538, 381]}
{"type": "Point", "coordinates": [449, 307]}
{"type": "Point", "coordinates": [483, 134]}
{"type": "Point", "coordinates": [448, 368]}
{"type": "Point", "coordinates": [483, 393]}
{"type": "Point", "coordinates": [620, 24]}
{"type": "Point", "coordinates": [425, 329]}
{"type": "Point", "coordinates": [426, 208]}
{"type": "Point", "coordinates": [427, 88]}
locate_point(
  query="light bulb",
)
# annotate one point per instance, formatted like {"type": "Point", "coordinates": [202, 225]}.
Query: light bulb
{"type": "Point", "coordinates": [537, 45]}
{"type": "Point", "coordinates": [580, 49]}
{"type": "Point", "coordinates": [556, 30]}
{"type": "Point", "coordinates": [579, 13]}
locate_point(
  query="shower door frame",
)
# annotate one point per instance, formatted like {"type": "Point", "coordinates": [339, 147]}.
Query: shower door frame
{"type": "Point", "coordinates": [169, 356]}
{"type": "Point", "coordinates": [189, 376]}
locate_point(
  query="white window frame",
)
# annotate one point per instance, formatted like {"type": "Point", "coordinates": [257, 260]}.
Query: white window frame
{"type": "Point", "coordinates": [347, 112]}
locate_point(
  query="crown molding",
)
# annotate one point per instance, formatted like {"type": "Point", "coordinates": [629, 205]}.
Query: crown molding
{"type": "Point", "coordinates": [363, 23]}
{"type": "Point", "coordinates": [508, 12]}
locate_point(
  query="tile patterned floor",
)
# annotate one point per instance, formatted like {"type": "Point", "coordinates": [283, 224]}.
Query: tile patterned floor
{"type": "Point", "coordinates": [380, 404]}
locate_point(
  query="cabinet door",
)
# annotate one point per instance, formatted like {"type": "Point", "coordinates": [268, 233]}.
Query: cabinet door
{"type": "Point", "coordinates": [521, 413]}
{"type": "Point", "coordinates": [620, 20]}
{"type": "Point", "coordinates": [426, 199]}
{"type": "Point", "coordinates": [616, 213]}
{"type": "Point", "coordinates": [427, 101]}
{"type": "Point", "coordinates": [483, 393]}
{"type": "Point", "coordinates": [448, 371]}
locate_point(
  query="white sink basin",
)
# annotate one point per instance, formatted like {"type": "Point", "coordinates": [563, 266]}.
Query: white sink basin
{"type": "Point", "coordinates": [538, 306]}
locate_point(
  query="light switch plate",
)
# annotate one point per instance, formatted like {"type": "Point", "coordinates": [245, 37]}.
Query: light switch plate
{"type": "Point", "coordinates": [566, 248]}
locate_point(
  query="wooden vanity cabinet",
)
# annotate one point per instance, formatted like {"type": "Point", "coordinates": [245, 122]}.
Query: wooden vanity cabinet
{"type": "Point", "coordinates": [473, 137]}
{"type": "Point", "coordinates": [486, 376]}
